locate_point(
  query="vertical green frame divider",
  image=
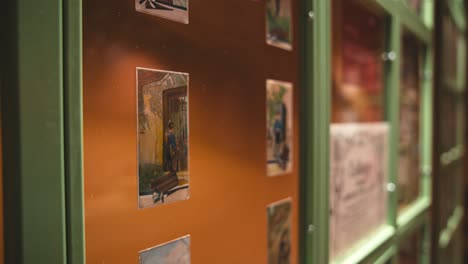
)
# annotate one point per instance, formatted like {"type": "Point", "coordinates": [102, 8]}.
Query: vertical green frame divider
{"type": "Point", "coordinates": [73, 130]}
{"type": "Point", "coordinates": [427, 127]}
{"type": "Point", "coordinates": [427, 123]}
{"type": "Point", "coordinates": [32, 111]}
{"type": "Point", "coordinates": [392, 112]}
{"type": "Point", "coordinates": [315, 121]}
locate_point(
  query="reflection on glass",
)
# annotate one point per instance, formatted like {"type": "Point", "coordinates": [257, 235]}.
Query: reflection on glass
{"type": "Point", "coordinates": [450, 48]}
{"type": "Point", "coordinates": [410, 249]}
{"type": "Point", "coordinates": [408, 167]}
{"type": "Point", "coordinates": [358, 87]}
{"type": "Point", "coordinates": [447, 126]}
{"type": "Point", "coordinates": [415, 5]}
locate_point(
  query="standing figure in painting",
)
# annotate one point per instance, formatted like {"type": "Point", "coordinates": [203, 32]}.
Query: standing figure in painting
{"type": "Point", "coordinates": [281, 150]}
{"type": "Point", "coordinates": [278, 132]}
{"type": "Point", "coordinates": [171, 149]}
{"type": "Point", "coordinates": [284, 248]}
{"type": "Point", "coordinates": [278, 7]}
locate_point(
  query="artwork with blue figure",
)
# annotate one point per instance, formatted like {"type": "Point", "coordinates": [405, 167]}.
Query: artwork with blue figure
{"type": "Point", "coordinates": [162, 137]}
{"type": "Point", "coordinates": [279, 118]}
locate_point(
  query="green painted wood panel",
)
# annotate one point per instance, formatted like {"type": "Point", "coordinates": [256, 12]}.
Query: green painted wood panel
{"type": "Point", "coordinates": [315, 106]}
{"type": "Point", "coordinates": [73, 128]}
{"type": "Point", "coordinates": [32, 109]}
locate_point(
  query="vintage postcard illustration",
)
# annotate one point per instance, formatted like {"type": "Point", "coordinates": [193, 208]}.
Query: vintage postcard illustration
{"type": "Point", "coordinates": [358, 178]}
{"type": "Point", "coordinates": [174, 252]}
{"type": "Point", "coordinates": [279, 122]}
{"type": "Point", "coordinates": [279, 23]}
{"type": "Point", "coordinates": [279, 232]}
{"type": "Point", "coordinates": [162, 136]}
{"type": "Point", "coordinates": [176, 10]}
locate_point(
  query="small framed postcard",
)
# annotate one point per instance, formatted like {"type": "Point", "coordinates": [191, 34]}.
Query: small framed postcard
{"type": "Point", "coordinates": [163, 141]}
{"type": "Point", "coordinates": [279, 232]}
{"type": "Point", "coordinates": [174, 252]}
{"type": "Point", "coordinates": [176, 10]}
{"type": "Point", "coordinates": [279, 23]}
{"type": "Point", "coordinates": [279, 122]}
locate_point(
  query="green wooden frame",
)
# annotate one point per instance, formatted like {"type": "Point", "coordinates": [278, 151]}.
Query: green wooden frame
{"type": "Point", "coordinates": [32, 111]}
{"type": "Point", "coordinates": [42, 145]}
{"type": "Point", "coordinates": [315, 108]}
{"type": "Point", "coordinates": [382, 245]}
{"type": "Point", "coordinates": [73, 144]}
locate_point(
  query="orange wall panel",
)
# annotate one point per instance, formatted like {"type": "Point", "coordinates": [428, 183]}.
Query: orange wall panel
{"type": "Point", "coordinates": [223, 50]}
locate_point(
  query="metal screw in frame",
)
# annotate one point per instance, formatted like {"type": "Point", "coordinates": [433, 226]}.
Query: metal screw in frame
{"type": "Point", "coordinates": [389, 56]}
{"type": "Point", "coordinates": [310, 229]}
{"type": "Point", "coordinates": [391, 187]}
{"type": "Point", "coordinates": [311, 15]}
{"type": "Point", "coordinates": [427, 170]}
{"type": "Point", "coordinates": [428, 75]}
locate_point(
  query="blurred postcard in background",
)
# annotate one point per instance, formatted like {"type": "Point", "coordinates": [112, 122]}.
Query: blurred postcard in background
{"type": "Point", "coordinates": [358, 181]}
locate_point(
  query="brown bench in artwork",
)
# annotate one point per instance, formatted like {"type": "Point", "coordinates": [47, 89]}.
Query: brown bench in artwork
{"type": "Point", "coordinates": [164, 185]}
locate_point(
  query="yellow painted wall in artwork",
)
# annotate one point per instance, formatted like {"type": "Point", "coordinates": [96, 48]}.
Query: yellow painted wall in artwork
{"type": "Point", "coordinates": [151, 142]}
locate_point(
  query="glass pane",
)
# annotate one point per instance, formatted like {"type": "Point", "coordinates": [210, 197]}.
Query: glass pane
{"type": "Point", "coordinates": [409, 145]}
{"type": "Point", "coordinates": [410, 248]}
{"type": "Point", "coordinates": [358, 140]}
{"type": "Point", "coordinates": [358, 82]}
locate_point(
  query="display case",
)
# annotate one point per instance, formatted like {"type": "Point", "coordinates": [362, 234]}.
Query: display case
{"type": "Point", "coordinates": [381, 74]}
{"type": "Point", "coordinates": [300, 133]}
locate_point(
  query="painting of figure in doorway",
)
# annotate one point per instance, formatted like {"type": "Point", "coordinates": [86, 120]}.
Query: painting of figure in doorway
{"type": "Point", "coordinates": [162, 137]}
{"type": "Point", "coordinates": [279, 232]}
{"type": "Point", "coordinates": [279, 23]}
{"type": "Point", "coordinates": [279, 122]}
{"type": "Point", "coordinates": [176, 10]}
{"type": "Point", "coordinates": [174, 252]}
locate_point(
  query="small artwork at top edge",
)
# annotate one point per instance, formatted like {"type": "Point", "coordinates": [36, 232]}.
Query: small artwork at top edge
{"type": "Point", "coordinates": [279, 23]}
{"type": "Point", "coordinates": [176, 10]}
